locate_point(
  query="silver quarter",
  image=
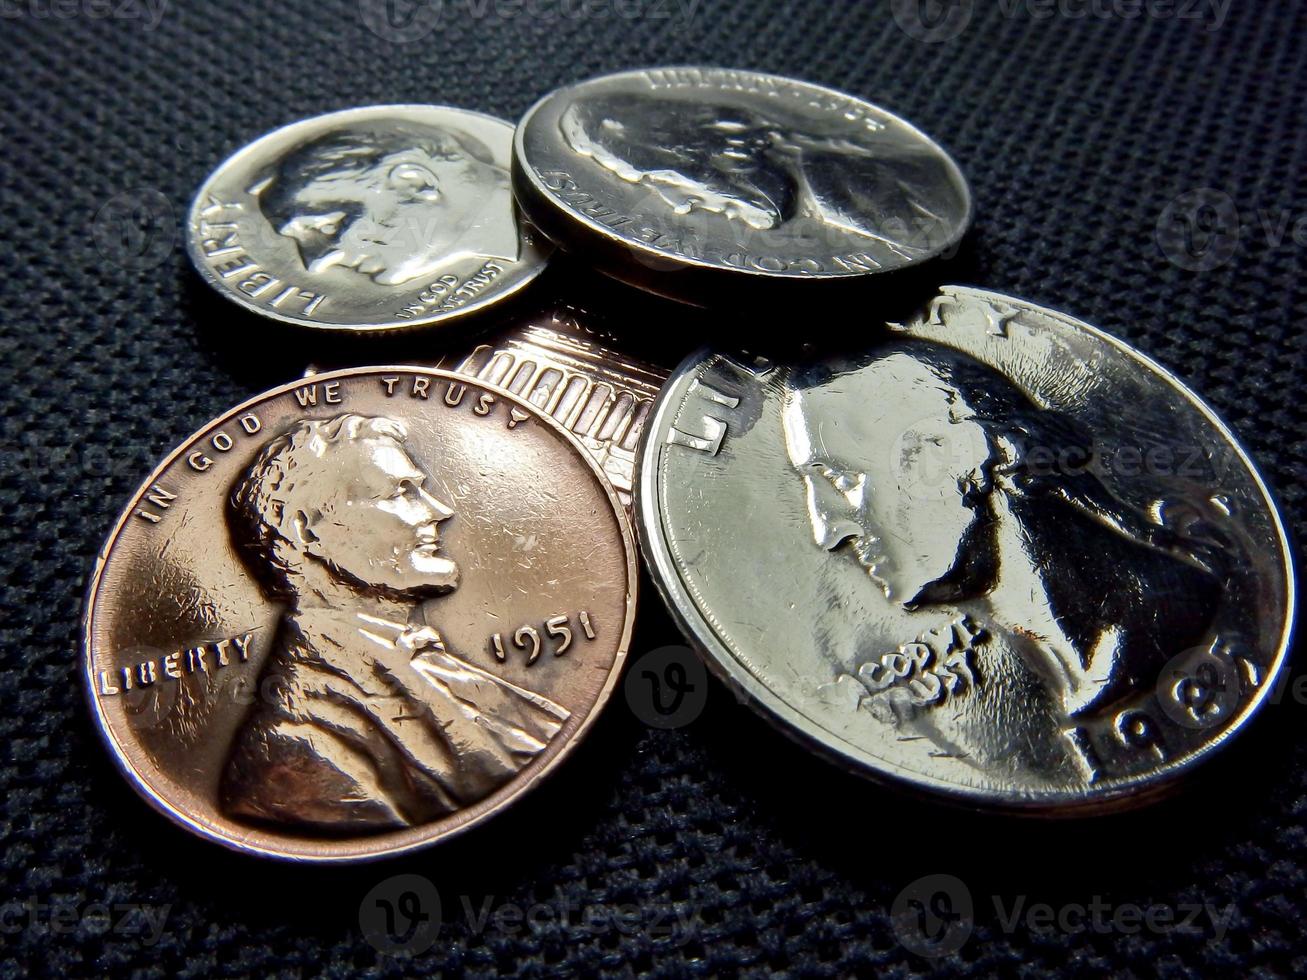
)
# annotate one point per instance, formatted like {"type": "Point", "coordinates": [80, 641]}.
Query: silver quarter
{"type": "Point", "coordinates": [686, 180]}
{"type": "Point", "coordinates": [996, 555]}
{"type": "Point", "coordinates": [378, 218]}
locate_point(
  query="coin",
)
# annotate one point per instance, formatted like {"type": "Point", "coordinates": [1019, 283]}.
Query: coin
{"type": "Point", "coordinates": [602, 396]}
{"type": "Point", "coordinates": [994, 554]}
{"type": "Point", "coordinates": [564, 360]}
{"type": "Point", "coordinates": [358, 614]}
{"type": "Point", "coordinates": [687, 181]}
{"type": "Point", "coordinates": [378, 218]}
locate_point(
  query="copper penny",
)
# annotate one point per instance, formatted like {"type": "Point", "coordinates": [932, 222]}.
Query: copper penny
{"type": "Point", "coordinates": [358, 614]}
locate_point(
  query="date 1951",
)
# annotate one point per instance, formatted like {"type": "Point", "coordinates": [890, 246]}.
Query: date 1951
{"type": "Point", "coordinates": [558, 635]}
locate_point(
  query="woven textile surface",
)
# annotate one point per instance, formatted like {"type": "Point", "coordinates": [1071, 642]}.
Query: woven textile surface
{"type": "Point", "coordinates": [718, 848]}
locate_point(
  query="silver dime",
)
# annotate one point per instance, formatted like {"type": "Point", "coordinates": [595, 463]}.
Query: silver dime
{"type": "Point", "coordinates": [686, 180]}
{"type": "Point", "coordinates": [996, 554]}
{"type": "Point", "coordinates": [378, 218]}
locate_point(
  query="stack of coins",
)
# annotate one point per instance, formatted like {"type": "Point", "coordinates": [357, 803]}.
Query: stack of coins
{"type": "Point", "coordinates": [977, 549]}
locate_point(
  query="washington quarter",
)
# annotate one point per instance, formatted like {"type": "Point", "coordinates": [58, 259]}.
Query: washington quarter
{"type": "Point", "coordinates": [995, 554]}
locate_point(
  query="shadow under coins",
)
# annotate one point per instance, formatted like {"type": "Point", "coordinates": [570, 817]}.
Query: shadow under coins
{"type": "Point", "coordinates": [882, 837]}
{"type": "Point", "coordinates": [510, 851]}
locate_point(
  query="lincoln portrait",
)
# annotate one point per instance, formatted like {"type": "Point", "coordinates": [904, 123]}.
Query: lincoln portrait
{"type": "Point", "coordinates": [365, 719]}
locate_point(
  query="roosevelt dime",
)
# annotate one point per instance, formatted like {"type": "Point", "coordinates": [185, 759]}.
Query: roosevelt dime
{"type": "Point", "coordinates": [358, 614]}
{"type": "Point", "coordinates": [993, 553]}
{"type": "Point", "coordinates": [686, 181]}
{"type": "Point", "coordinates": [378, 218]}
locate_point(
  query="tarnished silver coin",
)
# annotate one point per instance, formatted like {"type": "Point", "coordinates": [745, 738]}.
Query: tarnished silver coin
{"type": "Point", "coordinates": [378, 218]}
{"type": "Point", "coordinates": [995, 554]}
{"type": "Point", "coordinates": [358, 614]}
{"type": "Point", "coordinates": [687, 180]}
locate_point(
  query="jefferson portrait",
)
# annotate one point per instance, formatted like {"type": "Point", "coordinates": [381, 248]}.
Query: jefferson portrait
{"type": "Point", "coordinates": [764, 174]}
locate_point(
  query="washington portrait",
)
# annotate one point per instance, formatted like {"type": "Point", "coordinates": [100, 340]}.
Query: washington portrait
{"type": "Point", "coordinates": [365, 720]}
{"type": "Point", "coordinates": [393, 202]}
{"type": "Point", "coordinates": [764, 174]}
{"type": "Point", "coordinates": [919, 464]}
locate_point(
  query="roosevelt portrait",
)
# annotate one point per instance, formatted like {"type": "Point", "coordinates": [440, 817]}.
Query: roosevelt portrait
{"type": "Point", "coordinates": [927, 470]}
{"type": "Point", "coordinates": [764, 174]}
{"type": "Point", "coordinates": [365, 720]}
{"type": "Point", "coordinates": [394, 203]}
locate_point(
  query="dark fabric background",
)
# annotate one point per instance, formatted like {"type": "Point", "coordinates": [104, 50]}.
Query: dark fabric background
{"type": "Point", "coordinates": [1076, 135]}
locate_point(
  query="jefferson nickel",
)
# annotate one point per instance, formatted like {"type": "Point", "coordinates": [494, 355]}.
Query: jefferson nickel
{"type": "Point", "coordinates": [688, 180]}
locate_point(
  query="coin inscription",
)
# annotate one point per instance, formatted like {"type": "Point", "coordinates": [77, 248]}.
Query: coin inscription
{"type": "Point", "coordinates": [1013, 553]}
{"type": "Point", "coordinates": [333, 577]}
{"type": "Point", "coordinates": [369, 219]}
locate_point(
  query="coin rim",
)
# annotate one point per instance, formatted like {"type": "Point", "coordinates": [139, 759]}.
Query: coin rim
{"type": "Point", "coordinates": [488, 299]}
{"type": "Point", "coordinates": [792, 722]}
{"type": "Point", "coordinates": [518, 785]}
{"type": "Point", "coordinates": [615, 252]}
